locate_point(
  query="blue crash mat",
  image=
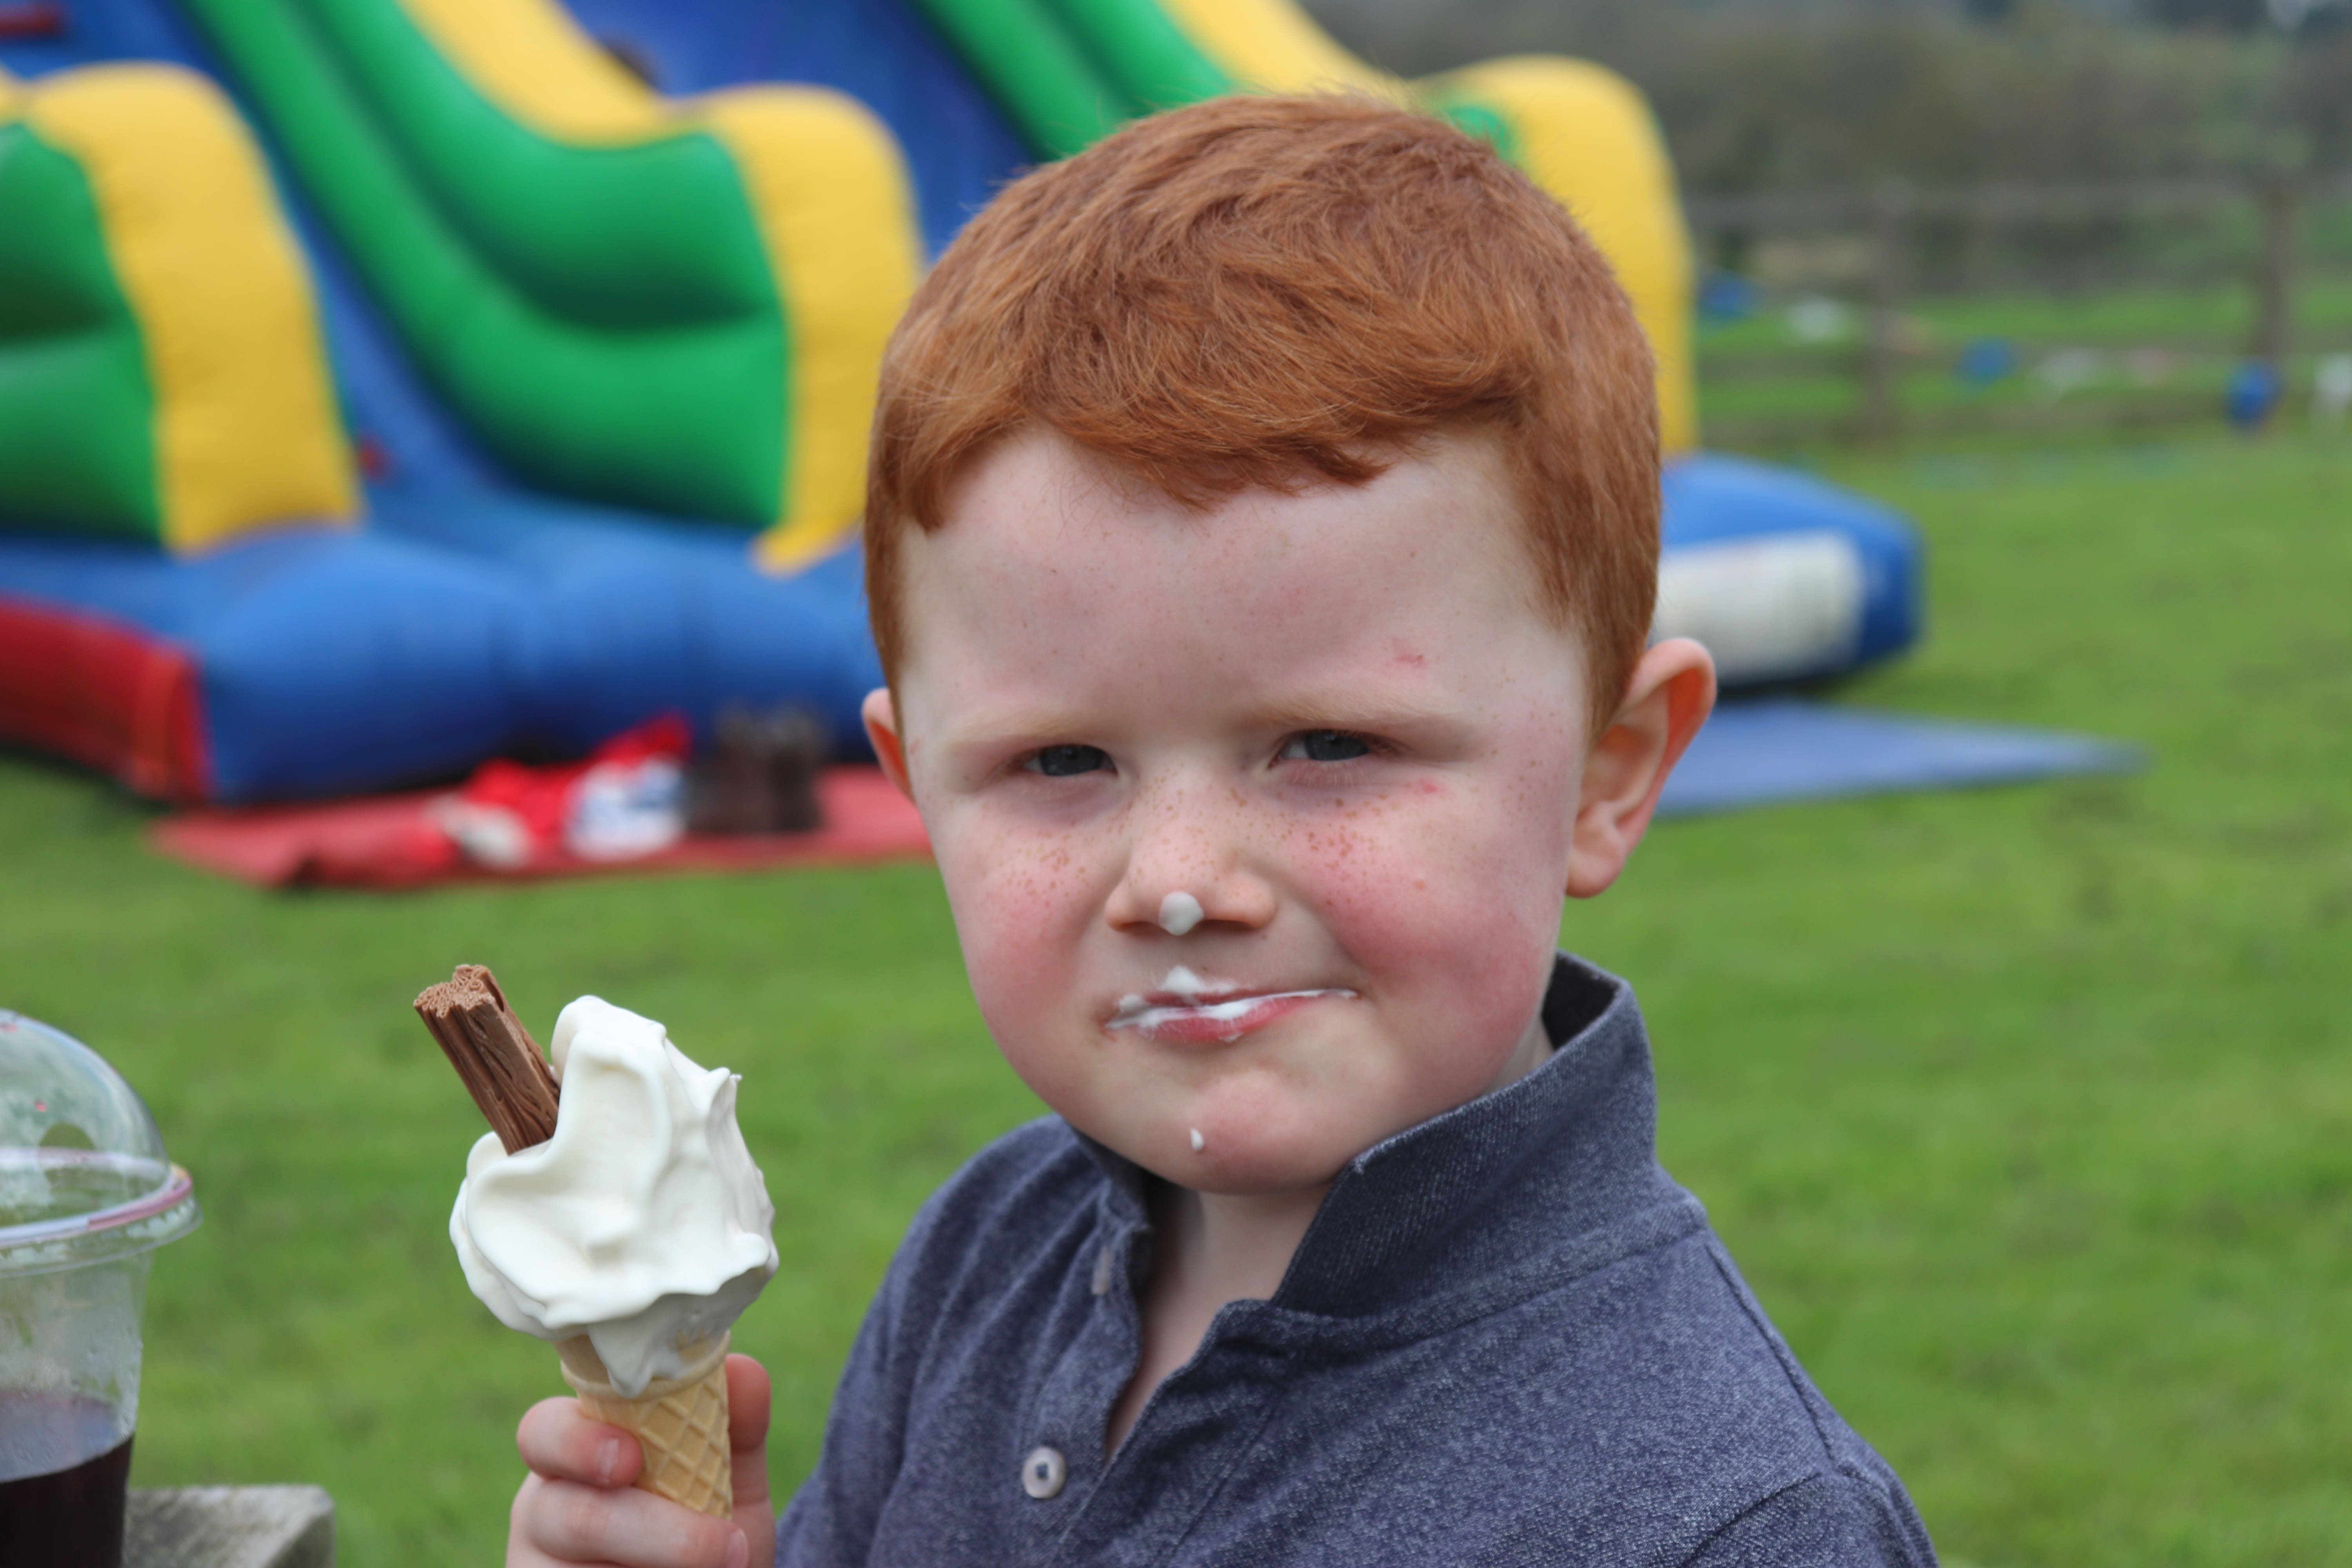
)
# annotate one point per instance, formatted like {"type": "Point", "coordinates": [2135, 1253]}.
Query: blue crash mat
{"type": "Point", "coordinates": [1783, 749]}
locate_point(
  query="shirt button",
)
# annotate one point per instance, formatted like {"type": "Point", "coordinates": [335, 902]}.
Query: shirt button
{"type": "Point", "coordinates": [1043, 1473]}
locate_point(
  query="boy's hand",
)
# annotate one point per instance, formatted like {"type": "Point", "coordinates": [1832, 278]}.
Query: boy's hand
{"type": "Point", "coordinates": [577, 1505]}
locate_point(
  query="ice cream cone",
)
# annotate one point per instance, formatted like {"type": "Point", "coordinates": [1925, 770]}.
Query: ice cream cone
{"type": "Point", "coordinates": [681, 1424]}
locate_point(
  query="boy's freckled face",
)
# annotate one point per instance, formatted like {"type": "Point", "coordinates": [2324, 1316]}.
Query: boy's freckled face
{"type": "Point", "coordinates": [1335, 719]}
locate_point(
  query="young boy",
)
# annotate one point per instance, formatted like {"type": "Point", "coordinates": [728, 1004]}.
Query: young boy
{"type": "Point", "coordinates": [1261, 538]}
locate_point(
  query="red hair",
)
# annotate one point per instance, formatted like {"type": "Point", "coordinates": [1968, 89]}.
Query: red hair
{"type": "Point", "coordinates": [1273, 292]}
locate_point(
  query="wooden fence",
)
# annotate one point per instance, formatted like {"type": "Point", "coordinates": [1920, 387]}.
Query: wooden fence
{"type": "Point", "coordinates": [1905, 246]}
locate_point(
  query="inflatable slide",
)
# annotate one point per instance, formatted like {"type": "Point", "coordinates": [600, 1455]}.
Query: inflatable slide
{"type": "Point", "coordinates": [388, 384]}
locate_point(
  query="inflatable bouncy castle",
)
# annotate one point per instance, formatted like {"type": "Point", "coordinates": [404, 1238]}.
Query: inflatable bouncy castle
{"type": "Point", "coordinates": [390, 385]}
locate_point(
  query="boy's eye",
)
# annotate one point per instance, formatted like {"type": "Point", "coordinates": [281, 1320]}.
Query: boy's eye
{"type": "Point", "coordinates": [1325, 746]}
{"type": "Point", "coordinates": [1062, 762]}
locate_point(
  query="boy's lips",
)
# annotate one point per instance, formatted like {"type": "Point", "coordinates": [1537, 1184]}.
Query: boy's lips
{"type": "Point", "coordinates": [1179, 1019]}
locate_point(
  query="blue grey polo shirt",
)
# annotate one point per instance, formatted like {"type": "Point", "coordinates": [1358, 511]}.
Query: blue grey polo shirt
{"type": "Point", "coordinates": [1507, 1338]}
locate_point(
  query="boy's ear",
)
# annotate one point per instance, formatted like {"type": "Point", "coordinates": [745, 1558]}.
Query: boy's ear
{"type": "Point", "coordinates": [1670, 696]}
{"type": "Point", "coordinates": [881, 716]}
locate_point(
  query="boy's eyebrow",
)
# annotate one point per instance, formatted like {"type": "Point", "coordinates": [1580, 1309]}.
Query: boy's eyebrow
{"type": "Point", "coordinates": [1015, 725]}
{"type": "Point", "coordinates": [1375, 710]}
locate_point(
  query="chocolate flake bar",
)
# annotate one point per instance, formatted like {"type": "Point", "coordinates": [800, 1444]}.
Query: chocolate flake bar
{"type": "Point", "coordinates": [494, 1054]}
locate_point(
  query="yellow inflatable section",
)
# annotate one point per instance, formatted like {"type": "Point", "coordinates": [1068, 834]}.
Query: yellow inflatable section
{"type": "Point", "coordinates": [1580, 132]}
{"type": "Point", "coordinates": [832, 203]}
{"type": "Point", "coordinates": [243, 425]}
{"type": "Point", "coordinates": [1584, 134]}
{"type": "Point", "coordinates": [1273, 47]}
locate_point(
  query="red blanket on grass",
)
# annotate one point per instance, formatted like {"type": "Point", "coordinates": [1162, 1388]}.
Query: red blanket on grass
{"type": "Point", "coordinates": [392, 841]}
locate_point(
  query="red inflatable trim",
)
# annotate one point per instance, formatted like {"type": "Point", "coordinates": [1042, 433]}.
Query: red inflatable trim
{"type": "Point", "coordinates": [44, 19]}
{"type": "Point", "coordinates": [393, 841]}
{"type": "Point", "coordinates": [106, 695]}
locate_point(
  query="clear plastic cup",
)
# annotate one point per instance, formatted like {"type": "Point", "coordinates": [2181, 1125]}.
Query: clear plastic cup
{"type": "Point", "coordinates": [85, 1195]}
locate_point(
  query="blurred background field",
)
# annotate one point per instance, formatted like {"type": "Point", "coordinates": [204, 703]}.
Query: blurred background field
{"type": "Point", "coordinates": [2028, 1111]}
{"type": "Point", "coordinates": [1952, 218]}
{"type": "Point", "coordinates": [1850, 327]}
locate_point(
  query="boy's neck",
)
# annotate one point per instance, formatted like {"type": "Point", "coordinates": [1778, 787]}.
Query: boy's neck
{"type": "Point", "coordinates": [1229, 1246]}
{"type": "Point", "coordinates": [1208, 1249]}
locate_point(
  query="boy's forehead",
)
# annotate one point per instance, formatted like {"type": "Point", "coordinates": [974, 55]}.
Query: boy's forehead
{"type": "Point", "coordinates": [1036, 500]}
{"type": "Point", "coordinates": [1042, 538]}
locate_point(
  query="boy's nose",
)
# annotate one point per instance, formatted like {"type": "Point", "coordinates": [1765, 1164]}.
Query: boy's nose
{"type": "Point", "coordinates": [1177, 907]}
{"type": "Point", "coordinates": [1184, 874]}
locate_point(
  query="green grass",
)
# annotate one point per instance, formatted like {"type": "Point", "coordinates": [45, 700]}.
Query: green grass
{"type": "Point", "coordinates": [2028, 1111]}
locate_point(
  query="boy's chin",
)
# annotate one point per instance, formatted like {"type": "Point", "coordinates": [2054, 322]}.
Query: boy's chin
{"type": "Point", "coordinates": [1262, 1180]}
{"type": "Point", "coordinates": [1241, 1162]}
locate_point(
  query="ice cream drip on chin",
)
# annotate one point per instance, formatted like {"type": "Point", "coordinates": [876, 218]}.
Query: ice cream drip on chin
{"type": "Point", "coordinates": [642, 1223]}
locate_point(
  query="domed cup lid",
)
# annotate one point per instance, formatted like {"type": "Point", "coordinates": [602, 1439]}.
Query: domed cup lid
{"type": "Point", "coordinates": [83, 1177]}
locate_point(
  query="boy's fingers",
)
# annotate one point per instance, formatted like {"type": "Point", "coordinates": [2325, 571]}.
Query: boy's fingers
{"type": "Point", "coordinates": [578, 1507]}
{"type": "Point", "coordinates": [632, 1529]}
{"type": "Point", "coordinates": [558, 1442]}
{"type": "Point", "coordinates": [748, 1396]}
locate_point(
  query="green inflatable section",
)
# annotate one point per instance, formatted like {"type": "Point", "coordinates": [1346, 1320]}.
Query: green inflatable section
{"type": "Point", "coordinates": [1036, 73]}
{"type": "Point", "coordinates": [1070, 71]}
{"type": "Point", "coordinates": [1134, 45]}
{"type": "Point", "coordinates": [76, 443]}
{"type": "Point", "coordinates": [604, 318]}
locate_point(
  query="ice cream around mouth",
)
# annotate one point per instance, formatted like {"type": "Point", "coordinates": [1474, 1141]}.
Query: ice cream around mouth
{"type": "Point", "coordinates": [642, 1224]}
{"type": "Point", "coordinates": [1189, 1007]}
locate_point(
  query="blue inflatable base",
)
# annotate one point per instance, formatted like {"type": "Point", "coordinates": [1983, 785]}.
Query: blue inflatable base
{"type": "Point", "coordinates": [1773, 750]}
{"type": "Point", "coordinates": [461, 626]}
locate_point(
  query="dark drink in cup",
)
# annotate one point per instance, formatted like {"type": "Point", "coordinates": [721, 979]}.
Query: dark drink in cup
{"type": "Point", "coordinates": [69, 1517]}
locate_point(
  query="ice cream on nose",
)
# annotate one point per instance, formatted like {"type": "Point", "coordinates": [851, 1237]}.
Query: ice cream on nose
{"type": "Point", "coordinates": [642, 1224]}
{"type": "Point", "coordinates": [1179, 912]}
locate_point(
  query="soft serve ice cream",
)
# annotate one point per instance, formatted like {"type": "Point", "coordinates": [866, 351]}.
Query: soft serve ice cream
{"type": "Point", "coordinates": [643, 1224]}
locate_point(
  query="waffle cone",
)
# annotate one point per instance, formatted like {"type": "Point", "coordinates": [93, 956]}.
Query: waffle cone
{"type": "Point", "coordinates": [681, 1424]}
